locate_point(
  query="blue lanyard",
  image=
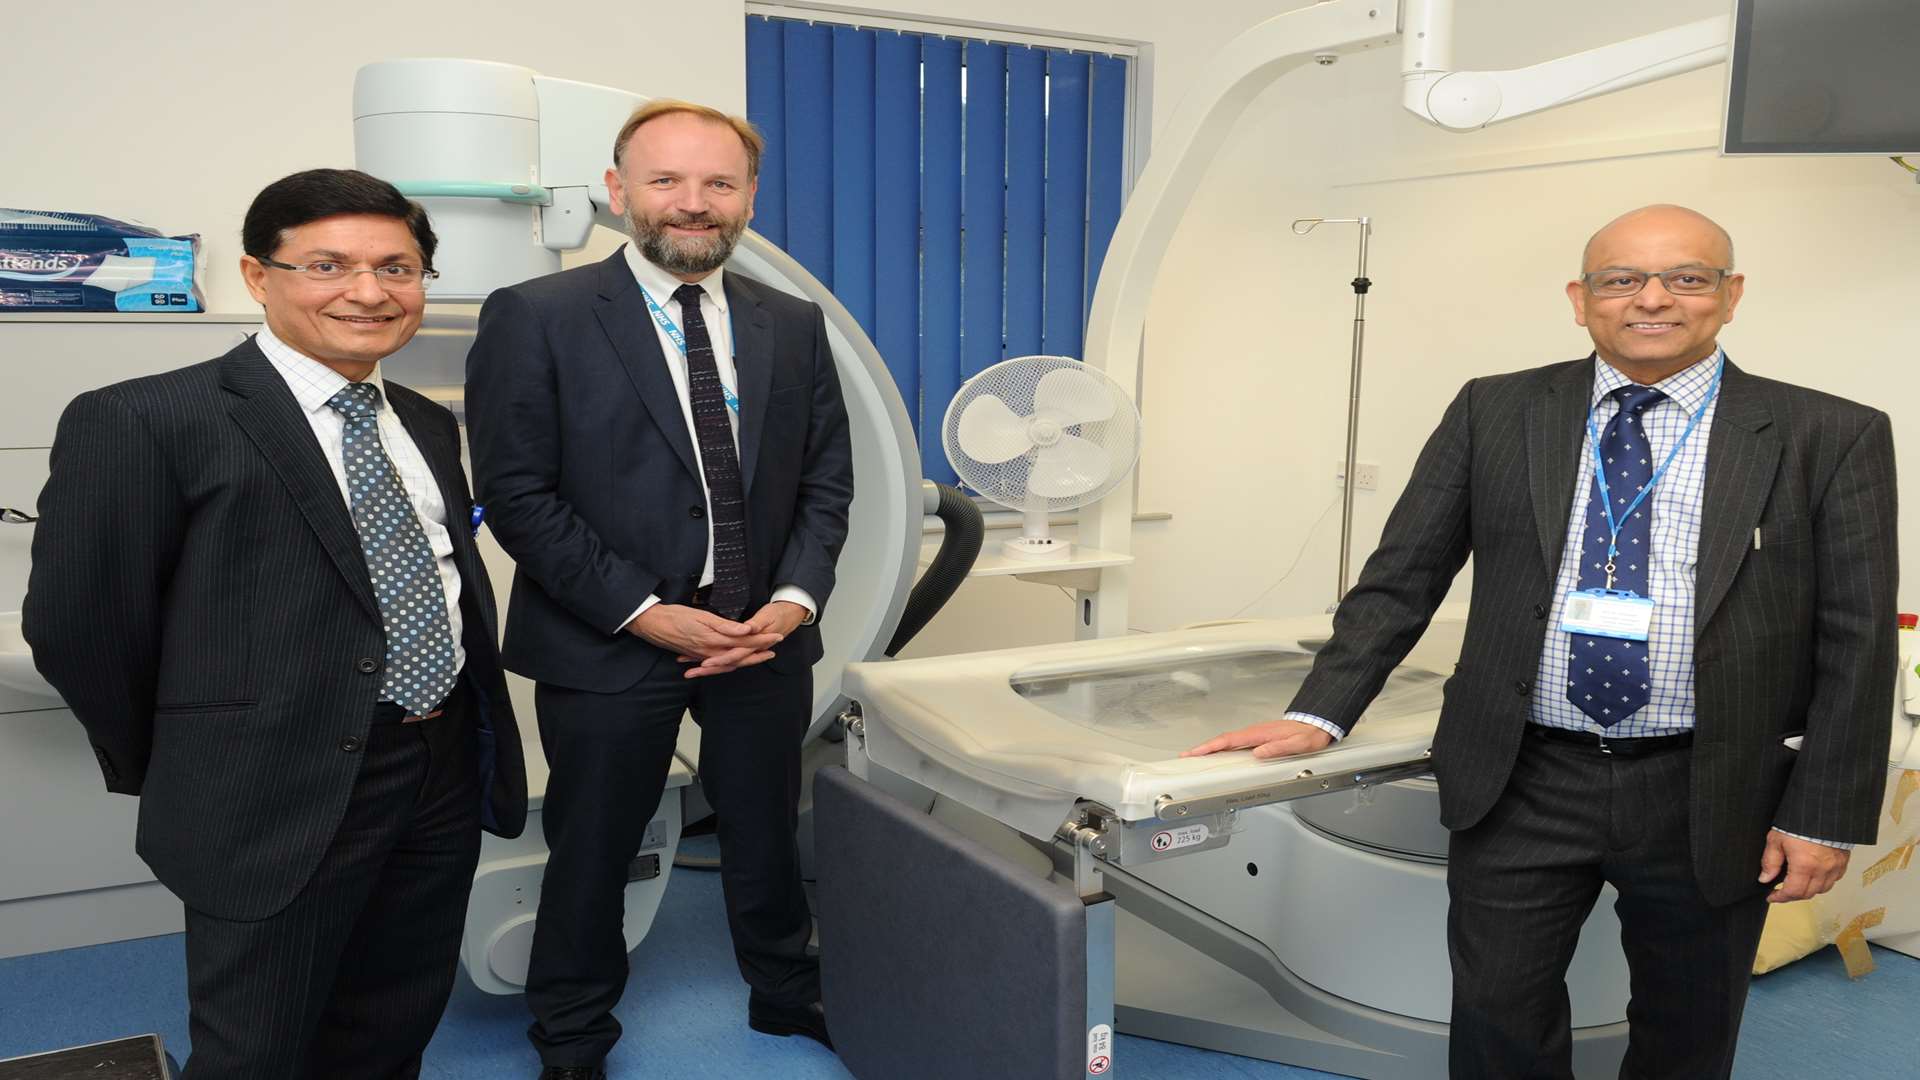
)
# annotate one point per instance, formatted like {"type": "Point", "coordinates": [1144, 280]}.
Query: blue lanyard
{"type": "Point", "coordinates": [679, 340]}
{"type": "Point", "coordinates": [1600, 467]}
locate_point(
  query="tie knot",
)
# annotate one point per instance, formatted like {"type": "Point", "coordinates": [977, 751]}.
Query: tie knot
{"type": "Point", "coordinates": [361, 399]}
{"type": "Point", "coordinates": [1635, 398]}
{"type": "Point", "coordinates": [689, 297]}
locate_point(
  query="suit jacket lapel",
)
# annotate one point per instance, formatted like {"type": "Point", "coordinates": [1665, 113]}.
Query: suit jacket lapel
{"type": "Point", "coordinates": [623, 315]}
{"type": "Point", "coordinates": [267, 412]}
{"type": "Point", "coordinates": [1742, 457]}
{"type": "Point", "coordinates": [753, 370]}
{"type": "Point", "coordinates": [1555, 428]}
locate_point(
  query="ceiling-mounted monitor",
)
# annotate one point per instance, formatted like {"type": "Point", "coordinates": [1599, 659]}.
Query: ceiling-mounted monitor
{"type": "Point", "coordinates": [1824, 77]}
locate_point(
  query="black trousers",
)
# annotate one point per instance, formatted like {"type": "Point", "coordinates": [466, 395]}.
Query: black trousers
{"type": "Point", "coordinates": [1522, 883]}
{"type": "Point", "coordinates": [351, 978]}
{"type": "Point", "coordinates": [608, 755]}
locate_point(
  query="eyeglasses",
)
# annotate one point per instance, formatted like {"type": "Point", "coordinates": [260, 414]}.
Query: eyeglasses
{"type": "Point", "coordinates": [392, 277]}
{"type": "Point", "coordinates": [1683, 281]}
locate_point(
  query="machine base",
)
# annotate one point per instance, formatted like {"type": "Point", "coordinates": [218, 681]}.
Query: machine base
{"type": "Point", "coordinates": [1166, 989]}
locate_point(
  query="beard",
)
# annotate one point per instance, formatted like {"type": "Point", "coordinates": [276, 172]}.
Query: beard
{"type": "Point", "coordinates": [685, 255]}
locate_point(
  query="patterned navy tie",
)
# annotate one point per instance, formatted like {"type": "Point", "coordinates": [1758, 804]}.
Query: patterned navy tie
{"type": "Point", "coordinates": [726, 498]}
{"type": "Point", "coordinates": [406, 580]}
{"type": "Point", "coordinates": [1607, 677]}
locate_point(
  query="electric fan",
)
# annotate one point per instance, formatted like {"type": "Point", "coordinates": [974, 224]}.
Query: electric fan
{"type": "Point", "coordinates": [1039, 434]}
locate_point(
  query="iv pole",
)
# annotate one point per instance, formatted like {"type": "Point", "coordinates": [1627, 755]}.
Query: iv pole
{"type": "Point", "coordinates": [1302, 227]}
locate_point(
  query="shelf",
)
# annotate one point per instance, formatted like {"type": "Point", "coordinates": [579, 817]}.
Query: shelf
{"type": "Point", "coordinates": [1079, 570]}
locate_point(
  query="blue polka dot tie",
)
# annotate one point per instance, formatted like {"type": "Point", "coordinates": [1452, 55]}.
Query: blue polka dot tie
{"type": "Point", "coordinates": [1607, 678]}
{"type": "Point", "coordinates": [406, 580]}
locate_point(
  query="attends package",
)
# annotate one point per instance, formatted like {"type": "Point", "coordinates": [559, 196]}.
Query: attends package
{"type": "Point", "coordinates": [84, 262]}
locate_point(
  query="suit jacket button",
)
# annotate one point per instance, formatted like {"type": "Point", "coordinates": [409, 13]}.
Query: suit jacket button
{"type": "Point", "coordinates": [1539, 611]}
{"type": "Point", "coordinates": [366, 665]}
{"type": "Point", "coordinates": [696, 512]}
{"type": "Point", "coordinates": [1523, 688]}
{"type": "Point", "coordinates": [350, 744]}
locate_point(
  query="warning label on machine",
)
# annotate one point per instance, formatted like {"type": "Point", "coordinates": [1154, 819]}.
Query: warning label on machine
{"type": "Point", "coordinates": [1099, 1049]}
{"type": "Point", "coordinates": [1182, 837]}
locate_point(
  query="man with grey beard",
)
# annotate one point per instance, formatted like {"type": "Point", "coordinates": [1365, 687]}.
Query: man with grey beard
{"type": "Point", "coordinates": [661, 446]}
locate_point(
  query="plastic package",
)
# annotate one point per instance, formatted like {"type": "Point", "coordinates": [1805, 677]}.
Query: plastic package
{"type": "Point", "coordinates": [52, 261]}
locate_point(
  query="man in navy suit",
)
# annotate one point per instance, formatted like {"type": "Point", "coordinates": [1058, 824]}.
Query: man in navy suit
{"type": "Point", "coordinates": [662, 448]}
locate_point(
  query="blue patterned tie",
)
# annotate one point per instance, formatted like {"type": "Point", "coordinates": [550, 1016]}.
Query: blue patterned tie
{"type": "Point", "coordinates": [1607, 678]}
{"type": "Point", "coordinates": [719, 461]}
{"type": "Point", "coordinates": [406, 580]}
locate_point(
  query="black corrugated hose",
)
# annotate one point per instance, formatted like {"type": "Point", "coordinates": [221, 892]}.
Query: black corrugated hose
{"type": "Point", "coordinates": [959, 546]}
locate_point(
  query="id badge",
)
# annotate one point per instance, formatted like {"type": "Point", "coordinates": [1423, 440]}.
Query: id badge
{"type": "Point", "coordinates": [1608, 614]}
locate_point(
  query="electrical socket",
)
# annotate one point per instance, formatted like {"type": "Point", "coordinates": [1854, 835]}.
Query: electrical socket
{"type": "Point", "coordinates": [1366, 475]}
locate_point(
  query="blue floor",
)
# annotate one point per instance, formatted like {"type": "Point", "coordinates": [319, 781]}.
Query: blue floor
{"type": "Point", "coordinates": [685, 1010]}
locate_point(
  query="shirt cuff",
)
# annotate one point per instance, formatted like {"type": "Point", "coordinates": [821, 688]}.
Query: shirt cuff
{"type": "Point", "coordinates": [1323, 725]}
{"type": "Point", "coordinates": [1816, 840]}
{"type": "Point", "coordinates": [644, 605]}
{"type": "Point", "coordinates": [794, 594]}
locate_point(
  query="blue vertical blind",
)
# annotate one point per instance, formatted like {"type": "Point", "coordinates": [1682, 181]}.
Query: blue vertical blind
{"type": "Point", "coordinates": [956, 195]}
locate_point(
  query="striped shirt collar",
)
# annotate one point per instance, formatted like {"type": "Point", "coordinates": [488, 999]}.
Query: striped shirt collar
{"type": "Point", "coordinates": [312, 382]}
{"type": "Point", "coordinates": [1687, 388]}
{"type": "Point", "coordinates": [660, 284]}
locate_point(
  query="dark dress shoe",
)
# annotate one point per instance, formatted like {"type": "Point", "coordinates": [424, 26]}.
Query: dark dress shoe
{"type": "Point", "coordinates": [771, 1019]}
{"type": "Point", "coordinates": [574, 1072]}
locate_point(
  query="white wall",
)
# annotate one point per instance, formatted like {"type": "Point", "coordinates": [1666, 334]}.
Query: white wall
{"type": "Point", "coordinates": [1245, 377]}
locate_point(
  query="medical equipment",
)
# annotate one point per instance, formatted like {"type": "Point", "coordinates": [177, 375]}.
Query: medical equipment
{"type": "Point", "coordinates": [1291, 910]}
{"type": "Point", "coordinates": [1039, 434]}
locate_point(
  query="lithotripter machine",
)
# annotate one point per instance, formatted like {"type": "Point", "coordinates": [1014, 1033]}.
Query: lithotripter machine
{"type": "Point", "coordinates": [1291, 910]}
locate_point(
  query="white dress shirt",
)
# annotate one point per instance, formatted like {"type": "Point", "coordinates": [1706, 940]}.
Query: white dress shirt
{"type": "Point", "coordinates": [313, 384]}
{"type": "Point", "coordinates": [660, 286]}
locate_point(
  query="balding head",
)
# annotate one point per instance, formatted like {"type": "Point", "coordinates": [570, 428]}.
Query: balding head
{"type": "Point", "coordinates": [1663, 218]}
{"type": "Point", "coordinates": [1654, 332]}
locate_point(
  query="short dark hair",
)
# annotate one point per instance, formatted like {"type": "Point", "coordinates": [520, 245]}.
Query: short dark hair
{"type": "Point", "coordinates": [305, 197]}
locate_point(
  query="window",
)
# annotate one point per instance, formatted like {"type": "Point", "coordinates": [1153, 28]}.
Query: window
{"type": "Point", "coordinates": [957, 194]}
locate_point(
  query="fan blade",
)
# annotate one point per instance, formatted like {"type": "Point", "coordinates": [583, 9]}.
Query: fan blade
{"type": "Point", "coordinates": [1072, 466]}
{"type": "Point", "coordinates": [1073, 396]}
{"type": "Point", "coordinates": [991, 433]}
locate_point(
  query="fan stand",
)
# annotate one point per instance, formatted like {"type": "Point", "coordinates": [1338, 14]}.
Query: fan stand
{"type": "Point", "coordinates": [1036, 542]}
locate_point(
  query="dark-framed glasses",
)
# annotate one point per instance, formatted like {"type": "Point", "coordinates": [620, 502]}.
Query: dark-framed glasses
{"type": "Point", "coordinates": [392, 277]}
{"type": "Point", "coordinates": [1680, 281]}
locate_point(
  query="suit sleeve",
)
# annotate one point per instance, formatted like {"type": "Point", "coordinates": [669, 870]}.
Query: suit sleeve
{"type": "Point", "coordinates": [111, 522]}
{"type": "Point", "coordinates": [1840, 773]}
{"type": "Point", "coordinates": [826, 484]}
{"type": "Point", "coordinates": [1424, 544]}
{"type": "Point", "coordinates": [515, 432]}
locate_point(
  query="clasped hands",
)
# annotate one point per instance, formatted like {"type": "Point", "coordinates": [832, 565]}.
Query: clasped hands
{"type": "Point", "coordinates": [713, 645]}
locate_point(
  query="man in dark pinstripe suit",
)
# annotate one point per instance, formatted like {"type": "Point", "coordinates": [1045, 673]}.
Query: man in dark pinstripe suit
{"type": "Point", "coordinates": [255, 584]}
{"type": "Point", "coordinates": [1745, 758]}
